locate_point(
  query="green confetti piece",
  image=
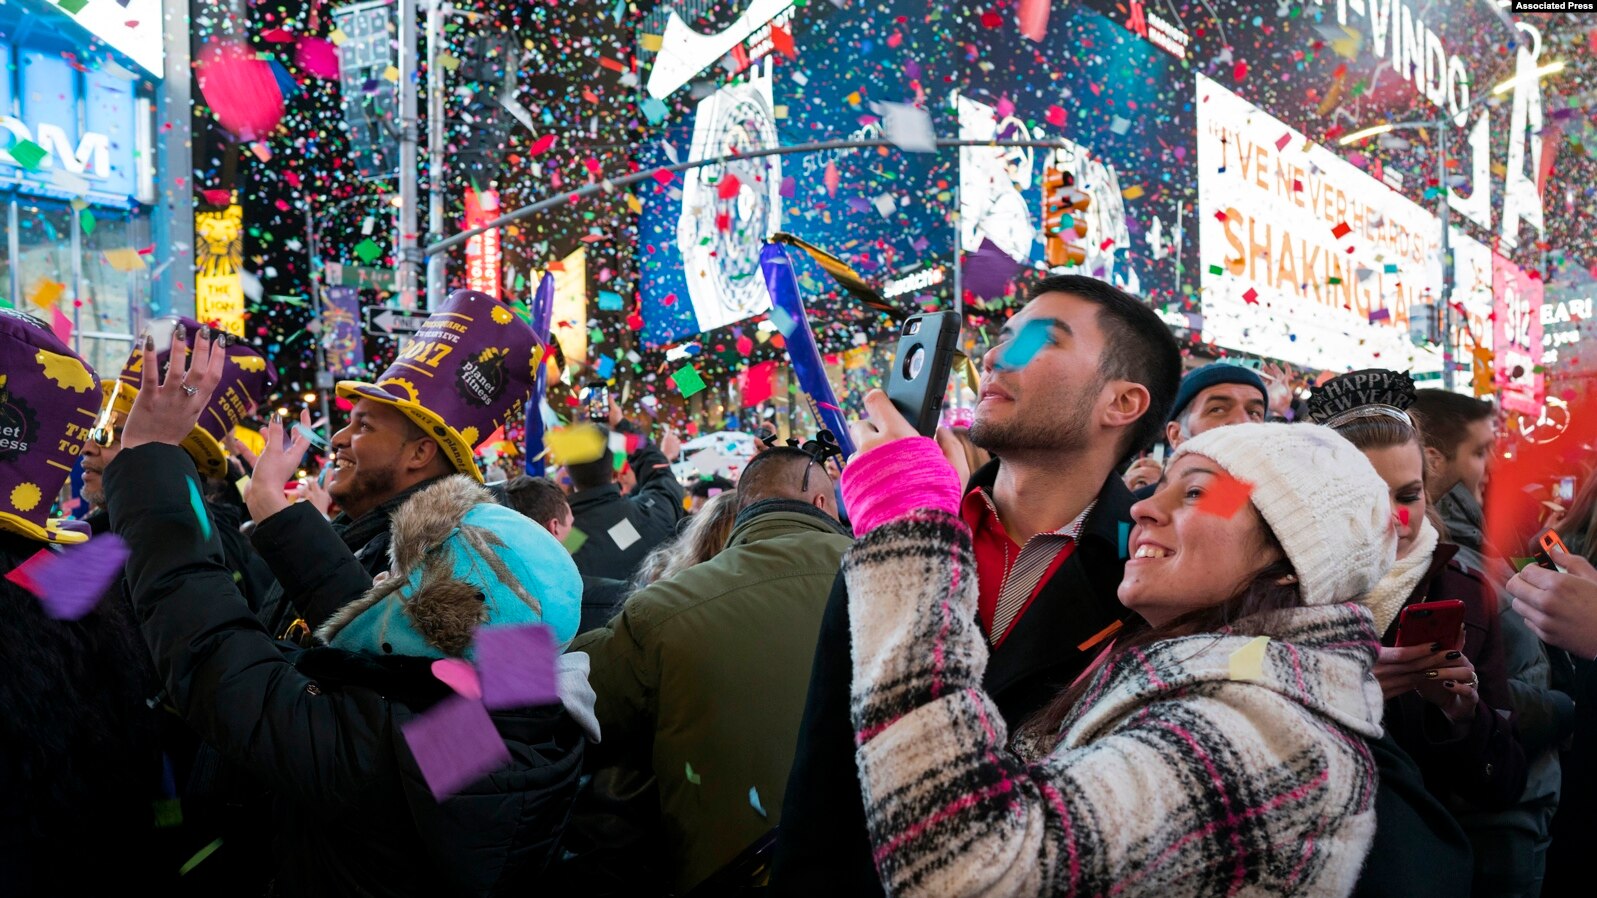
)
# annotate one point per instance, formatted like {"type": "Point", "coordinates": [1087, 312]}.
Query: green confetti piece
{"type": "Point", "coordinates": [368, 250]}
{"type": "Point", "coordinates": [86, 221]}
{"type": "Point", "coordinates": [692, 777]}
{"type": "Point", "coordinates": [198, 504]}
{"type": "Point", "coordinates": [168, 813]}
{"type": "Point", "coordinates": [28, 154]}
{"type": "Point", "coordinates": [1215, 269]}
{"type": "Point", "coordinates": [688, 381]}
{"type": "Point", "coordinates": [73, 6]}
{"type": "Point", "coordinates": [199, 857]}
{"type": "Point", "coordinates": [574, 540]}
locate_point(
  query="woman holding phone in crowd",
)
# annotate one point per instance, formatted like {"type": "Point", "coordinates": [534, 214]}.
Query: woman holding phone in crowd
{"type": "Point", "coordinates": [1220, 748]}
{"type": "Point", "coordinates": [1443, 691]}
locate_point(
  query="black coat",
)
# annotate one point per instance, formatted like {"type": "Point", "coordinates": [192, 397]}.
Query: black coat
{"type": "Point", "coordinates": [1419, 850]}
{"type": "Point", "coordinates": [653, 509]}
{"type": "Point", "coordinates": [80, 763]}
{"type": "Point", "coordinates": [602, 599]}
{"type": "Point", "coordinates": [823, 847]}
{"type": "Point", "coordinates": [322, 565]}
{"type": "Point", "coordinates": [323, 728]}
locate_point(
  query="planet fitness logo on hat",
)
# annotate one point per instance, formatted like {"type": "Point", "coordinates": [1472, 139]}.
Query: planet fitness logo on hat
{"type": "Point", "coordinates": [18, 424]}
{"type": "Point", "coordinates": [482, 380]}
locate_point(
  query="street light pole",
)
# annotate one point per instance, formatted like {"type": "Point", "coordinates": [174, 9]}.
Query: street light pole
{"type": "Point", "coordinates": [436, 263]}
{"type": "Point", "coordinates": [1446, 216]}
{"type": "Point", "coordinates": [409, 254]}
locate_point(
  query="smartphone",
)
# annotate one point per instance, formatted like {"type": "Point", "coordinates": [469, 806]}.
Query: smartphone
{"type": "Point", "coordinates": [919, 376]}
{"type": "Point", "coordinates": [1565, 494]}
{"type": "Point", "coordinates": [1544, 557]}
{"type": "Point", "coordinates": [597, 397]}
{"type": "Point", "coordinates": [1429, 622]}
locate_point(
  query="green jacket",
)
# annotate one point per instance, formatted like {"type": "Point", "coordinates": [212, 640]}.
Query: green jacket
{"type": "Point", "coordinates": [709, 670]}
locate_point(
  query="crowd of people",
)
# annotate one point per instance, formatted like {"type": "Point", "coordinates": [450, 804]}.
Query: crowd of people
{"type": "Point", "coordinates": [1132, 631]}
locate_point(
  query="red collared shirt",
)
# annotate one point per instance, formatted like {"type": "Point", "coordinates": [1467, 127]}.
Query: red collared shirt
{"type": "Point", "coordinates": [1010, 576]}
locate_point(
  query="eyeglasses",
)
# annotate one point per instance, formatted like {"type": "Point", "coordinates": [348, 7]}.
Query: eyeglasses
{"type": "Point", "coordinates": [103, 433]}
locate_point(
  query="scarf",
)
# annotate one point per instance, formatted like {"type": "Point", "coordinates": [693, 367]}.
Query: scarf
{"type": "Point", "coordinates": [1388, 596]}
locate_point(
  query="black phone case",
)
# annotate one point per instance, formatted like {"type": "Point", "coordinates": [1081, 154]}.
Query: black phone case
{"type": "Point", "coordinates": [920, 399]}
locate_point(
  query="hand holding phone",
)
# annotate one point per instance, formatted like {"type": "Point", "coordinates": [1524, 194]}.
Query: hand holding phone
{"type": "Point", "coordinates": [1427, 623]}
{"type": "Point", "coordinates": [1545, 544]}
{"type": "Point", "coordinates": [919, 376]}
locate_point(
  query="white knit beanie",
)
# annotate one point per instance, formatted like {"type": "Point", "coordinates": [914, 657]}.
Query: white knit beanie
{"type": "Point", "coordinates": [1321, 497]}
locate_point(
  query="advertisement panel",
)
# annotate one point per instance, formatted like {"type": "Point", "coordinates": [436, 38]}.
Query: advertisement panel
{"type": "Point", "coordinates": [885, 212]}
{"type": "Point", "coordinates": [131, 26]}
{"type": "Point", "coordinates": [1518, 326]}
{"type": "Point", "coordinates": [569, 323]}
{"type": "Point", "coordinates": [341, 337]}
{"type": "Point", "coordinates": [1305, 257]}
{"type": "Point", "coordinates": [483, 254]}
{"type": "Point", "coordinates": [218, 289]}
{"type": "Point", "coordinates": [370, 99]}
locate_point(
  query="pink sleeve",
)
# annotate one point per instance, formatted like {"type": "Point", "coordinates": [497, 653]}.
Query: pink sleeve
{"type": "Point", "coordinates": [896, 478]}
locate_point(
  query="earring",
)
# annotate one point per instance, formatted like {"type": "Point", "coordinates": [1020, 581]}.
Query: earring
{"type": "Point", "coordinates": [1289, 578]}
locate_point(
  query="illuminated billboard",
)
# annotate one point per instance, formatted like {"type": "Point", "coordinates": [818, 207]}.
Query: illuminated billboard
{"type": "Point", "coordinates": [1304, 257]}
{"type": "Point", "coordinates": [131, 26]}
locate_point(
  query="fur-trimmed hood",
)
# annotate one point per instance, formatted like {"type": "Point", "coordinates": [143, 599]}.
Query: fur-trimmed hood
{"type": "Point", "coordinates": [459, 560]}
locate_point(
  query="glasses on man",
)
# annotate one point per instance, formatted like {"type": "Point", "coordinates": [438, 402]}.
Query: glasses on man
{"type": "Point", "coordinates": [103, 433]}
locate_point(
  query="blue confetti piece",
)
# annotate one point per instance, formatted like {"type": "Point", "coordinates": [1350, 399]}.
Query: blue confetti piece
{"type": "Point", "coordinates": [1125, 539]}
{"type": "Point", "coordinates": [1024, 347]}
{"type": "Point", "coordinates": [653, 110]}
{"type": "Point", "coordinates": [754, 802]}
{"type": "Point", "coordinates": [610, 301]}
{"type": "Point", "coordinates": [607, 366]}
{"type": "Point", "coordinates": [198, 504]}
{"type": "Point", "coordinates": [311, 436]}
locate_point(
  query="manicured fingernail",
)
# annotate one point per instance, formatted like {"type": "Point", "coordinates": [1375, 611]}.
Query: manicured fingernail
{"type": "Point", "coordinates": [1453, 656]}
{"type": "Point", "coordinates": [1449, 683]}
{"type": "Point", "coordinates": [205, 333]}
{"type": "Point", "coordinates": [1436, 646]}
{"type": "Point", "coordinates": [149, 342]}
{"type": "Point", "coordinates": [1430, 675]}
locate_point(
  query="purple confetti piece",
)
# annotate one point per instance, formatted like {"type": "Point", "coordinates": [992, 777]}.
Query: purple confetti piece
{"type": "Point", "coordinates": [518, 666]}
{"type": "Point", "coordinates": [454, 744]}
{"type": "Point", "coordinates": [70, 582]}
{"type": "Point", "coordinates": [989, 271]}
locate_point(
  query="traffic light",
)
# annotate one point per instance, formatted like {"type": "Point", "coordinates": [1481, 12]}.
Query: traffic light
{"type": "Point", "coordinates": [1064, 227]}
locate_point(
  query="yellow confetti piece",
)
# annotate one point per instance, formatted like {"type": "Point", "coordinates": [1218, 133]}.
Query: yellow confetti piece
{"type": "Point", "coordinates": [1132, 192]}
{"type": "Point", "coordinates": [449, 62]}
{"type": "Point", "coordinates": [1247, 663]}
{"type": "Point", "coordinates": [125, 259]}
{"type": "Point", "coordinates": [47, 293]}
{"type": "Point", "coordinates": [635, 204]}
{"type": "Point", "coordinates": [779, 110]}
{"type": "Point", "coordinates": [575, 445]}
{"type": "Point", "coordinates": [391, 74]}
{"type": "Point", "coordinates": [650, 42]}
{"type": "Point", "coordinates": [338, 37]}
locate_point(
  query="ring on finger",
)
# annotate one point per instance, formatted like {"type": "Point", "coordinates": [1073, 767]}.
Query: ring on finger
{"type": "Point", "coordinates": [188, 389]}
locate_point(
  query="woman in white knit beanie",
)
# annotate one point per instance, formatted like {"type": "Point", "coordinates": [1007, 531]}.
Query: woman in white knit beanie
{"type": "Point", "coordinates": [1219, 751]}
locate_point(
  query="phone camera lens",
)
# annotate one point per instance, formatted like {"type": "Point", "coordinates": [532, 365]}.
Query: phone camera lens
{"type": "Point", "coordinates": [913, 364]}
{"type": "Point", "coordinates": [912, 328]}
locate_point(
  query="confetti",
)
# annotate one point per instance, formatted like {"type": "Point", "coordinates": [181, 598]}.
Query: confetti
{"type": "Point", "coordinates": [70, 581]}
{"type": "Point", "coordinates": [28, 154]}
{"type": "Point", "coordinates": [460, 676]}
{"type": "Point", "coordinates": [989, 272]}
{"type": "Point", "coordinates": [623, 534]}
{"type": "Point", "coordinates": [517, 666]}
{"type": "Point", "coordinates": [1224, 496]}
{"type": "Point", "coordinates": [575, 445]}
{"type": "Point", "coordinates": [754, 802]}
{"type": "Point", "coordinates": [1247, 662]}
{"type": "Point", "coordinates": [197, 504]}
{"type": "Point", "coordinates": [694, 778]}
{"type": "Point", "coordinates": [1019, 351]}
{"type": "Point", "coordinates": [688, 381]}
{"type": "Point", "coordinates": [1341, 230]}
{"type": "Point", "coordinates": [125, 260]}
{"type": "Point", "coordinates": [454, 743]}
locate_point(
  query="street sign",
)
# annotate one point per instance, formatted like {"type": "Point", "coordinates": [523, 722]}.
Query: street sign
{"type": "Point", "coordinates": [386, 322]}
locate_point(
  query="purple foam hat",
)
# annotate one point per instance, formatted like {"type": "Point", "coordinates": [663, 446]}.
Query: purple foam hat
{"type": "Point", "coordinates": [471, 363]}
{"type": "Point", "coordinates": [245, 380]}
{"type": "Point", "coordinates": [47, 406]}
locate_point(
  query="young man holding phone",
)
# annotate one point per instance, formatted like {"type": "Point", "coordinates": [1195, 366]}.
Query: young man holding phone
{"type": "Point", "coordinates": [1047, 522]}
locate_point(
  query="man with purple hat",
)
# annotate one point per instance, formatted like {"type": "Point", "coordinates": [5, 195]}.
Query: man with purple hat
{"type": "Point", "coordinates": [80, 765]}
{"type": "Point", "coordinates": [246, 378]}
{"type": "Point", "coordinates": [452, 385]}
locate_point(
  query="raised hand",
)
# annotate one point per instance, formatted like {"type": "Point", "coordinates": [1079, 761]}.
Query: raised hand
{"type": "Point", "coordinates": [275, 467]}
{"type": "Point", "coordinates": [166, 410]}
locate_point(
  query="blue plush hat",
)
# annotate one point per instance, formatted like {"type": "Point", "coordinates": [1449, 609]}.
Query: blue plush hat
{"type": "Point", "coordinates": [460, 561]}
{"type": "Point", "coordinates": [1200, 379]}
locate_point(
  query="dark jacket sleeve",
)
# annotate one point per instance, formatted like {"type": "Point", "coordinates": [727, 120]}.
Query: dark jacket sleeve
{"type": "Point", "coordinates": [823, 846]}
{"type": "Point", "coordinates": [222, 671]}
{"type": "Point", "coordinates": [1419, 848]}
{"type": "Point", "coordinates": [658, 496]}
{"type": "Point", "coordinates": [1543, 716]}
{"type": "Point", "coordinates": [317, 572]}
{"type": "Point", "coordinates": [1485, 763]}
